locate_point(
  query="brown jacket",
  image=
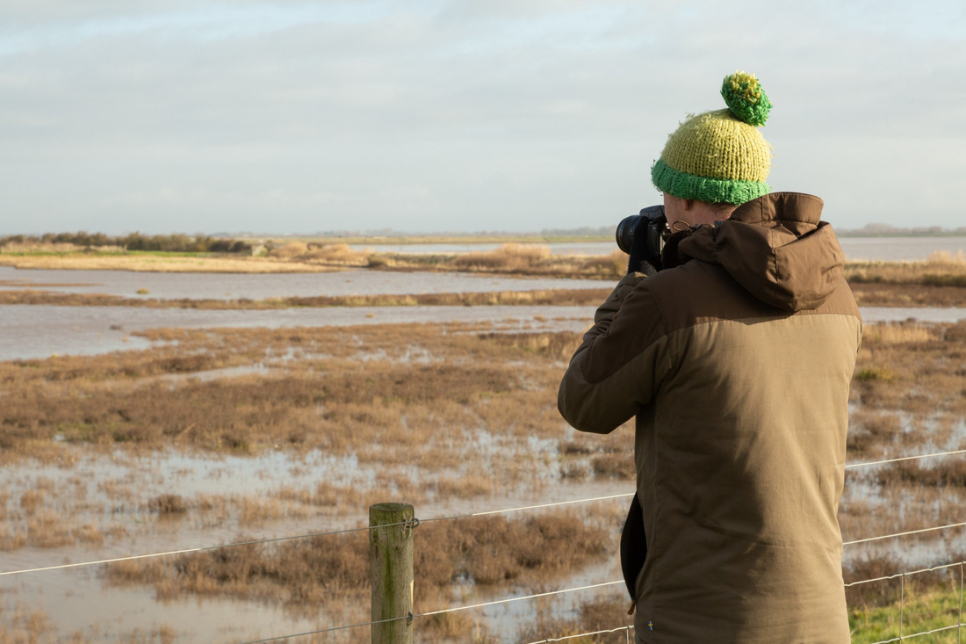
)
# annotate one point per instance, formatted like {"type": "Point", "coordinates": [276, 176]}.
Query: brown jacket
{"type": "Point", "coordinates": [737, 366]}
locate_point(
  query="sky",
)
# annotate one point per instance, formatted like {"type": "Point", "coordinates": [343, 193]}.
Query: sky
{"type": "Point", "coordinates": [294, 117]}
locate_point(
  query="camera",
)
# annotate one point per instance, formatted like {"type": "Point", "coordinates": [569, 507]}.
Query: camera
{"type": "Point", "coordinates": [642, 236]}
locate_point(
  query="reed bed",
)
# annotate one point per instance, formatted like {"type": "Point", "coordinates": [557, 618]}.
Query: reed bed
{"type": "Point", "coordinates": [440, 411]}
{"type": "Point", "coordinates": [940, 269]}
{"type": "Point", "coordinates": [159, 263]}
{"type": "Point", "coordinates": [538, 297]}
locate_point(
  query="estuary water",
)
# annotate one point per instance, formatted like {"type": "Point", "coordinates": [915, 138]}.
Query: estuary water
{"type": "Point", "coordinates": [260, 286]}
{"type": "Point", "coordinates": [40, 331]}
{"type": "Point", "coordinates": [227, 286]}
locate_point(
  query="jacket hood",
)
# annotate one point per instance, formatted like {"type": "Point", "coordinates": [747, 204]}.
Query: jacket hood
{"type": "Point", "coordinates": [777, 248]}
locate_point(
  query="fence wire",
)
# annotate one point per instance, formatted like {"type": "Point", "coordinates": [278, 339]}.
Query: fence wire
{"type": "Point", "coordinates": [902, 601]}
{"type": "Point", "coordinates": [852, 466]}
{"type": "Point", "coordinates": [458, 516]}
{"type": "Point", "coordinates": [310, 535]}
{"type": "Point", "coordinates": [902, 638]}
{"type": "Point", "coordinates": [627, 635]}
{"type": "Point", "coordinates": [437, 612]}
{"type": "Point", "coordinates": [202, 549]}
{"type": "Point", "coordinates": [903, 574]}
{"type": "Point", "coordinates": [416, 522]}
{"type": "Point", "coordinates": [903, 534]}
{"type": "Point", "coordinates": [518, 599]}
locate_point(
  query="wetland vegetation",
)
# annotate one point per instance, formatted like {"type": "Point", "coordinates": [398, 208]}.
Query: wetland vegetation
{"type": "Point", "coordinates": [150, 450]}
{"type": "Point", "coordinates": [408, 404]}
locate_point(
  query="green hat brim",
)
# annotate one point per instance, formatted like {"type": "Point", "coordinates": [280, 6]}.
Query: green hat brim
{"type": "Point", "coordinates": [690, 186]}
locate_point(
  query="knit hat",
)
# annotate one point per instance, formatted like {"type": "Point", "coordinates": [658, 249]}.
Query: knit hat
{"type": "Point", "coordinates": [720, 156]}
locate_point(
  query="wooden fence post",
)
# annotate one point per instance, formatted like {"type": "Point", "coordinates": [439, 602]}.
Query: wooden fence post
{"type": "Point", "coordinates": [391, 557]}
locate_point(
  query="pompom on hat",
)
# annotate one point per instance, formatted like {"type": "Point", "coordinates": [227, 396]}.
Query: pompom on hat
{"type": "Point", "coordinates": [720, 156]}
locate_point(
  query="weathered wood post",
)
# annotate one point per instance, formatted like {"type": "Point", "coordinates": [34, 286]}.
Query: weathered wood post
{"type": "Point", "coordinates": [391, 557]}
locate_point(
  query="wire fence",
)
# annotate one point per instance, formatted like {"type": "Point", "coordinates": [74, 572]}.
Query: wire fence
{"type": "Point", "coordinates": [626, 629]}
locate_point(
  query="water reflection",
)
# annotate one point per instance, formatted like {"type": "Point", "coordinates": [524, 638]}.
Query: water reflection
{"type": "Point", "coordinates": [256, 286]}
{"type": "Point", "coordinates": [28, 331]}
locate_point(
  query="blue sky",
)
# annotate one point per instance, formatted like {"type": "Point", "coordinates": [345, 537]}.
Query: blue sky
{"type": "Point", "coordinates": [429, 116]}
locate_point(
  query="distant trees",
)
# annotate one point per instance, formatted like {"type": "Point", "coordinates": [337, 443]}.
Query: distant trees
{"type": "Point", "coordinates": [176, 243]}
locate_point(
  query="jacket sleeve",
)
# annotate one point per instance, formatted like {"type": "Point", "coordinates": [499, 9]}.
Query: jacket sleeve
{"type": "Point", "coordinates": [621, 363]}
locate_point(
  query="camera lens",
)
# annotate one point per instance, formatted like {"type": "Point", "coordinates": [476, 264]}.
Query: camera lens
{"type": "Point", "coordinates": [625, 233]}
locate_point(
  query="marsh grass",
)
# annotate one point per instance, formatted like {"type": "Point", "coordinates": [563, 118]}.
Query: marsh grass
{"type": "Point", "coordinates": [443, 412]}
{"type": "Point", "coordinates": [948, 473]}
{"type": "Point", "coordinates": [479, 552]}
{"type": "Point", "coordinates": [554, 297]}
{"type": "Point", "coordinates": [598, 614]}
{"type": "Point", "coordinates": [299, 256]}
{"type": "Point", "coordinates": [158, 262]}
{"type": "Point", "coordinates": [940, 269]}
{"type": "Point", "coordinates": [21, 625]}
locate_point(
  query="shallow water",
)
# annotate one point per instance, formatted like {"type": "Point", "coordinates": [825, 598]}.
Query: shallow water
{"type": "Point", "coordinates": [79, 600]}
{"type": "Point", "coordinates": [28, 331]}
{"type": "Point", "coordinates": [260, 286]}
{"type": "Point", "coordinates": [892, 249]}
{"type": "Point", "coordinates": [39, 331]}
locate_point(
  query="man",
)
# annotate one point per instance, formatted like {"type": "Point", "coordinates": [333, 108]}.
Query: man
{"type": "Point", "coordinates": [736, 359]}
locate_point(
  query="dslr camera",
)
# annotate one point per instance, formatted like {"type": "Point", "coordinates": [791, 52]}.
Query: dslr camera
{"type": "Point", "coordinates": [643, 237]}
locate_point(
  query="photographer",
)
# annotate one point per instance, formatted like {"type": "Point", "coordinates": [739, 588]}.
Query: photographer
{"type": "Point", "coordinates": [732, 340]}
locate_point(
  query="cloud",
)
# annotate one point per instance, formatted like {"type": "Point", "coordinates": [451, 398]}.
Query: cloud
{"type": "Point", "coordinates": [424, 115]}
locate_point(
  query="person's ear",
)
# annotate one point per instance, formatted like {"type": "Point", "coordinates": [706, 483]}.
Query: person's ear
{"type": "Point", "coordinates": [687, 204]}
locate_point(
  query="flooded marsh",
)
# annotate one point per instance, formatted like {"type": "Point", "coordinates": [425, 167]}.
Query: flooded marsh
{"type": "Point", "coordinates": [216, 435]}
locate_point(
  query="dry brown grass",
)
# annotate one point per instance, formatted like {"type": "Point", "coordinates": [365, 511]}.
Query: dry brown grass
{"type": "Point", "coordinates": [23, 625]}
{"type": "Point", "coordinates": [326, 403]}
{"type": "Point", "coordinates": [289, 250]}
{"type": "Point", "coordinates": [337, 255]}
{"type": "Point", "coordinates": [951, 473]}
{"type": "Point", "coordinates": [615, 466]}
{"type": "Point", "coordinates": [299, 256]}
{"type": "Point", "coordinates": [913, 368]}
{"type": "Point", "coordinates": [483, 551]}
{"type": "Point", "coordinates": [506, 258]}
{"type": "Point", "coordinates": [597, 614]}
{"type": "Point", "coordinates": [514, 259]}
{"type": "Point", "coordinates": [166, 504]}
{"type": "Point", "coordinates": [907, 295]}
{"type": "Point", "coordinates": [558, 297]}
{"type": "Point", "coordinates": [940, 269]}
{"type": "Point", "coordinates": [459, 404]}
{"type": "Point", "coordinates": [161, 263]}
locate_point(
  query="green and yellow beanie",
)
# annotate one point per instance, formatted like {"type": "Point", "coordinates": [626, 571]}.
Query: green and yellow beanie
{"type": "Point", "coordinates": [720, 156]}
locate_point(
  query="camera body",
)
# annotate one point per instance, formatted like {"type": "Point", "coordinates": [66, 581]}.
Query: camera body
{"type": "Point", "coordinates": [643, 236]}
